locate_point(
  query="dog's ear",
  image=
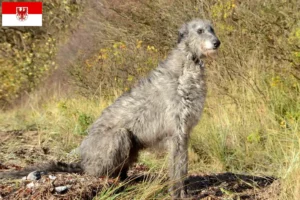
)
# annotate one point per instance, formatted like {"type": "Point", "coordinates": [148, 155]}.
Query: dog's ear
{"type": "Point", "coordinates": [182, 32]}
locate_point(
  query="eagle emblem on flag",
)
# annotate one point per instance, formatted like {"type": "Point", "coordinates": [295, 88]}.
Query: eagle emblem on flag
{"type": "Point", "coordinates": [22, 13]}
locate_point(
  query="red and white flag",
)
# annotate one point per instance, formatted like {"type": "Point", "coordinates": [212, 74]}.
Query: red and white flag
{"type": "Point", "coordinates": [22, 13]}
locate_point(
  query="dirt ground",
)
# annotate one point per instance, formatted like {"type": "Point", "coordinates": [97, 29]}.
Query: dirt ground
{"type": "Point", "coordinates": [79, 186]}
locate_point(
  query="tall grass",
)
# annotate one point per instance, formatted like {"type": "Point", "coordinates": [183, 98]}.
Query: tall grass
{"type": "Point", "coordinates": [238, 138]}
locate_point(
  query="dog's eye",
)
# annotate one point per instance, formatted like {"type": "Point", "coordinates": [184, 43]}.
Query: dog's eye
{"type": "Point", "coordinates": [200, 31]}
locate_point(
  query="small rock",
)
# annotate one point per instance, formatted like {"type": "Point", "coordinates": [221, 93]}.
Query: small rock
{"type": "Point", "coordinates": [82, 179]}
{"type": "Point", "coordinates": [62, 189]}
{"type": "Point", "coordinates": [35, 175]}
{"type": "Point", "coordinates": [30, 185]}
{"type": "Point", "coordinates": [52, 177]}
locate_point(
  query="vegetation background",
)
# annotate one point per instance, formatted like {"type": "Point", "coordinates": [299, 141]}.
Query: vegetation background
{"type": "Point", "coordinates": [57, 78]}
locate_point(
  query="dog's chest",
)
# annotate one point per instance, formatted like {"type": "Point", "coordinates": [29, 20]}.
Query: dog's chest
{"type": "Point", "coordinates": [192, 93]}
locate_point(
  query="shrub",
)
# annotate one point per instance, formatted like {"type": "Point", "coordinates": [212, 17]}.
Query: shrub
{"type": "Point", "coordinates": [28, 53]}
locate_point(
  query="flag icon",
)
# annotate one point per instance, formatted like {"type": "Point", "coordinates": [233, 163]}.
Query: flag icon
{"type": "Point", "coordinates": [22, 13]}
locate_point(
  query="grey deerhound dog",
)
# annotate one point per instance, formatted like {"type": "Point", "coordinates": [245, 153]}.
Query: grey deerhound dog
{"type": "Point", "coordinates": [161, 110]}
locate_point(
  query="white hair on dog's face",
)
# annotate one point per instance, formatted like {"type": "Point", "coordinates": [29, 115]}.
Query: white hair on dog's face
{"type": "Point", "coordinates": [208, 44]}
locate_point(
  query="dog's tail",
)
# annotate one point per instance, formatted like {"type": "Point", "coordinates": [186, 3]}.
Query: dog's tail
{"type": "Point", "coordinates": [46, 167]}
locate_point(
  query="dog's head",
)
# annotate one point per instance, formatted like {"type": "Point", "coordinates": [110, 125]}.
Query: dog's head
{"type": "Point", "coordinates": [199, 38]}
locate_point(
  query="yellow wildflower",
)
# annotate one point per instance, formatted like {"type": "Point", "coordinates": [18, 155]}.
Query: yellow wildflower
{"type": "Point", "coordinates": [283, 124]}
{"type": "Point", "coordinates": [139, 44]}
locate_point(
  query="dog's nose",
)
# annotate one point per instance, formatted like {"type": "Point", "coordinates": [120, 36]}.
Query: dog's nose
{"type": "Point", "coordinates": [216, 43]}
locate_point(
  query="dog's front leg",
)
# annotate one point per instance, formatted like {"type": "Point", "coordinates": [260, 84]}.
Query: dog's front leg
{"type": "Point", "coordinates": [178, 165]}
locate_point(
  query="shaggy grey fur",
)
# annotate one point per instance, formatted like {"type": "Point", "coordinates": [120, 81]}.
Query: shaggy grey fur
{"type": "Point", "coordinates": [161, 110]}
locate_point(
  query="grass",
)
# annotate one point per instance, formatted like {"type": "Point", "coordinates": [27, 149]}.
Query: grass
{"type": "Point", "coordinates": [251, 136]}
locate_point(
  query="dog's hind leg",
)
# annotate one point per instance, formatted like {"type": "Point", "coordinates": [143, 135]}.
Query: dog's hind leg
{"type": "Point", "coordinates": [109, 153]}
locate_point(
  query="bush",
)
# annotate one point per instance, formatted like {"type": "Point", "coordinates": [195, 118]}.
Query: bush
{"type": "Point", "coordinates": [28, 53]}
{"type": "Point", "coordinates": [114, 67]}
